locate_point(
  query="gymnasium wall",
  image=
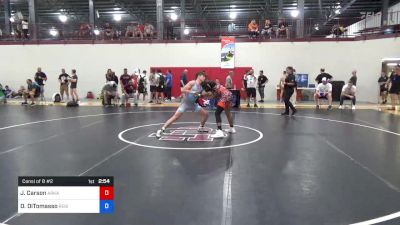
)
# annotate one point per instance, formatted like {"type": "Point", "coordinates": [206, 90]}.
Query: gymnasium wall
{"type": "Point", "coordinates": [19, 62]}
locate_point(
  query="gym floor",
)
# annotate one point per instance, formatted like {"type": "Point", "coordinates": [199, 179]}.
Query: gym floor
{"type": "Point", "coordinates": [315, 168]}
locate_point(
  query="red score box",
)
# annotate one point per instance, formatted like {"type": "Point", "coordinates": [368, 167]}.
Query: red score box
{"type": "Point", "coordinates": [106, 193]}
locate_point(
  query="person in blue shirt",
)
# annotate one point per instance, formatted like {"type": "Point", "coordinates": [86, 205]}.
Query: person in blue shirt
{"type": "Point", "coordinates": [169, 85]}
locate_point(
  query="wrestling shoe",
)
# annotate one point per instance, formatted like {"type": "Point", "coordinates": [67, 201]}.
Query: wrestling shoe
{"type": "Point", "coordinates": [218, 134]}
{"type": "Point", "coordinates": [202, 129]}
{"type": "Point", "coordinates": [231, 130]}
{"type": "Point", "coordinates": [159, 133]}
{"type": "Point", "coordinates": [340, 107]}
{"type": "Point", "coordinates": [353, 107]}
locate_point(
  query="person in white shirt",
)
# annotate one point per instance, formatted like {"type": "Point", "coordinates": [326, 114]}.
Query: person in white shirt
{"type": "Point", "coordinates": [348, 93]}
{"type": "Point", "coordinates": [25, 28]}
{"type": "Point", "coordinates": [251, 86]}
{"type": "Point", "coordinates": [323, 91]}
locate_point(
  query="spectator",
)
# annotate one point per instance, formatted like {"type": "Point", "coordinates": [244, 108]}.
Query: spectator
{"type": "Point", "coordinates": [25, 28]}
{"type": "Point", "coordinates": [229, 81]}
{"type": "Point", "coordinates": [40, 79]}
{"type": "Point", "coordinates": [3, 96]}
{"type": "Point", "coordinates": [8, 92]}
{"type": "Point", "coordinates": [253, 29]}
{"type": "Point", "coordinates": [267, 30]}
{"type": "Point", "coordinates": [169, 85]}
{"type": "Point", "coordinates": [282, 84]}
{"type": "Point", "coordinates": [32, 92]}
{"type": "Point", "coordinates": [348, 93]}
{"type": "Point", "coordinates": [353, 77]}
{"type": "Point", "coordinates": [74, 84]}
{"type": "Point", "coordinates": [128, 91]}
{"type": "Point", "coordinates": [64, 82]}
{"type": "Point", "coordinates": [323, 91]}
{"type": "Point", "coordinates": [109, 92]}
{"type": "Point", "coordinates": [153, 86]}
{"type": "Point", "coordinates": [1, 33]}
{"type": "Point", "coordinates": [140, 29]}
{"type": "Point", "coordinates": [130, 30]}
{"type": "Point", "coordinates": [142, 84]}
{"type": "Point", "coordinates": [383, 86]}
{"type": "Point", "coordinates": [18, 31]}
{"type": "Point", "coordinates": [84, 30]}
{"type": "Point", "coordinates": [183, 82]}
{"type": "Point", "coordinates": [338, 30]}
{"type": "Point", "coordinates": [322, 75]}
{"type": "Point", "coordinates": [108, 32]}
{"type": "Point", "coordinates": [20, 92]}
{"type": "Point", "coordinates": [110, 76]}
{"type": "Point", "coordinates": [394, 87]}
{"type": "Point", "coordinates": [148, 30]}
{"type": "Point", "coordinates": [288, 90]}
{"type": "Point", "coordinates": [124, 78]}
{"type": "Point", "coordinates": [262, 81]}
{"type": "Point", "coordinates": [251, 81]}
{"type": "Point", "coordinates": [283, 29]}
{"type": "Point", "coordinates": [160, 87]}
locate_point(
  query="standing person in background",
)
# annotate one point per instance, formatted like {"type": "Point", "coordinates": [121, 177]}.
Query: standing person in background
{"type": "Point", "coordinates": [74, 84]}
{"type": "Point", "coordinates": [244, 83]}
{"type": "Point", "coordinates": [25, 28]}
{"type": "Point", "coordinates": [251, 81]}
{"type": "Point", "coordinates": [322, 74]}
{"type": "Point", "coordinates": [394, 87]}
{"type": "Point", "coordinates": [229, 81]}
{"type": "Point", "coordinates": [183, 82]}
{"type": "Point", "coordinates": [262, 81]}
{"type": "Point", "coordinates": [383, 89]}
{"type": "Point", "coordinates": [63, 79]}
{"type": "Point", "coordinates": [282, 85]}
{"type": "Point", "coordinates": [169, 85]}
{"type": "Point", "coordinates": [160, 87]}
{"type": "Point", "coordinates": [40, 79]}
{"type": "Point", "coordinates": [124, 80]}
{"type": "Point", "coordinates": [353, 77]}
{"type": "Point", "coordinates": [142, 83]}
{"type": "Point", "coordinates": [153, 85]}
{"type": "Point", "coordinates": [289, 86]}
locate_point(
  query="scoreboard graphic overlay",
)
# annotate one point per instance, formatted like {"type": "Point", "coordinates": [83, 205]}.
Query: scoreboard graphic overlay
{"type": "Point", "coordinates": [66, 195]}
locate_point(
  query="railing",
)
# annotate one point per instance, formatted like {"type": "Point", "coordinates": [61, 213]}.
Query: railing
{"type": "Point", "coordinates": [205, 29]}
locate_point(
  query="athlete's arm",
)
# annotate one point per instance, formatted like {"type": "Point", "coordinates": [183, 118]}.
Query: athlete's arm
{"type": "Point", "coordinates": [188, 87]}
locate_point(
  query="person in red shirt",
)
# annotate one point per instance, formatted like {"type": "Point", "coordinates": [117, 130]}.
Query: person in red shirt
{"type": "Point", "coordinates": [129, 91]}
{"type": "Point", "coordinates": [140, 31]}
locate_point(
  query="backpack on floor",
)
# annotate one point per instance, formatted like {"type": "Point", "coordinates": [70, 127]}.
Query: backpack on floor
{"type": "Point", "coordinates": [90, 95]}
{"type": "Point", "coordinates": [72, 104]}
{"type": "Point", "coordinates": [56, 97]}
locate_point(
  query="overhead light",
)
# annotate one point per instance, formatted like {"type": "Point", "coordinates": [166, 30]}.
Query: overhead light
{"type": "Point", "coordinates": [316, 27]}
{"type": "Point", "coordinates": [294, 4]}
{"type": "Point", "coordinates": [337, 11]}
{"type": "Point", "coordinates": [12, 20]}
{"type": "Point", "coordinates": [63, 18]}
{"type": "Point", "coordinates": [53, 32]}
{"type": "Point", "coordinates": [117, 17]}
{"type": "Point", "coordinates": [390, 59]}
{"type": "Point", "coordinates": [294, 13]}
{"type": "Point", "coordinates": [186, 31]}
{"type": "Point", "coordinates": [233, 15]}
{"type": "Point", "coordinates": [174, 7]}
{"type": "Point", "coordinates": [96, 32]}
{"type": "Point", "coordinates": [174, 16]}
{"type": "Point", "coordinates": [116, 9]}
{"type": "Point", "coordinates": [392, 64]}
{"type": "Point", "coordinates": [233, 6]}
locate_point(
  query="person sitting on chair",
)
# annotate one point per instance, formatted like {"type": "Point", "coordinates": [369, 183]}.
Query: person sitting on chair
{"type": "Point", "coordinates": [32, 93]}
{"type": "Point", "coordinates": [253, 29]}
{"type": "Point", "coordinates": [267, 30]}
{"type": "Point", "coordinates": [323, 91]}
{"type": "Point", "coordinates": [129, 91]}
{"type": "Point", "coordinates": [348, 93]}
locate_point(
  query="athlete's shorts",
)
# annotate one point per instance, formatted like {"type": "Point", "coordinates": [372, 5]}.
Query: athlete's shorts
{"type": "Point", "coordinates": [185, 106]}
{"type": "Point", "coordinates": [224, 105]}
{"type": "Point", "coordinates": [323, 95]}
